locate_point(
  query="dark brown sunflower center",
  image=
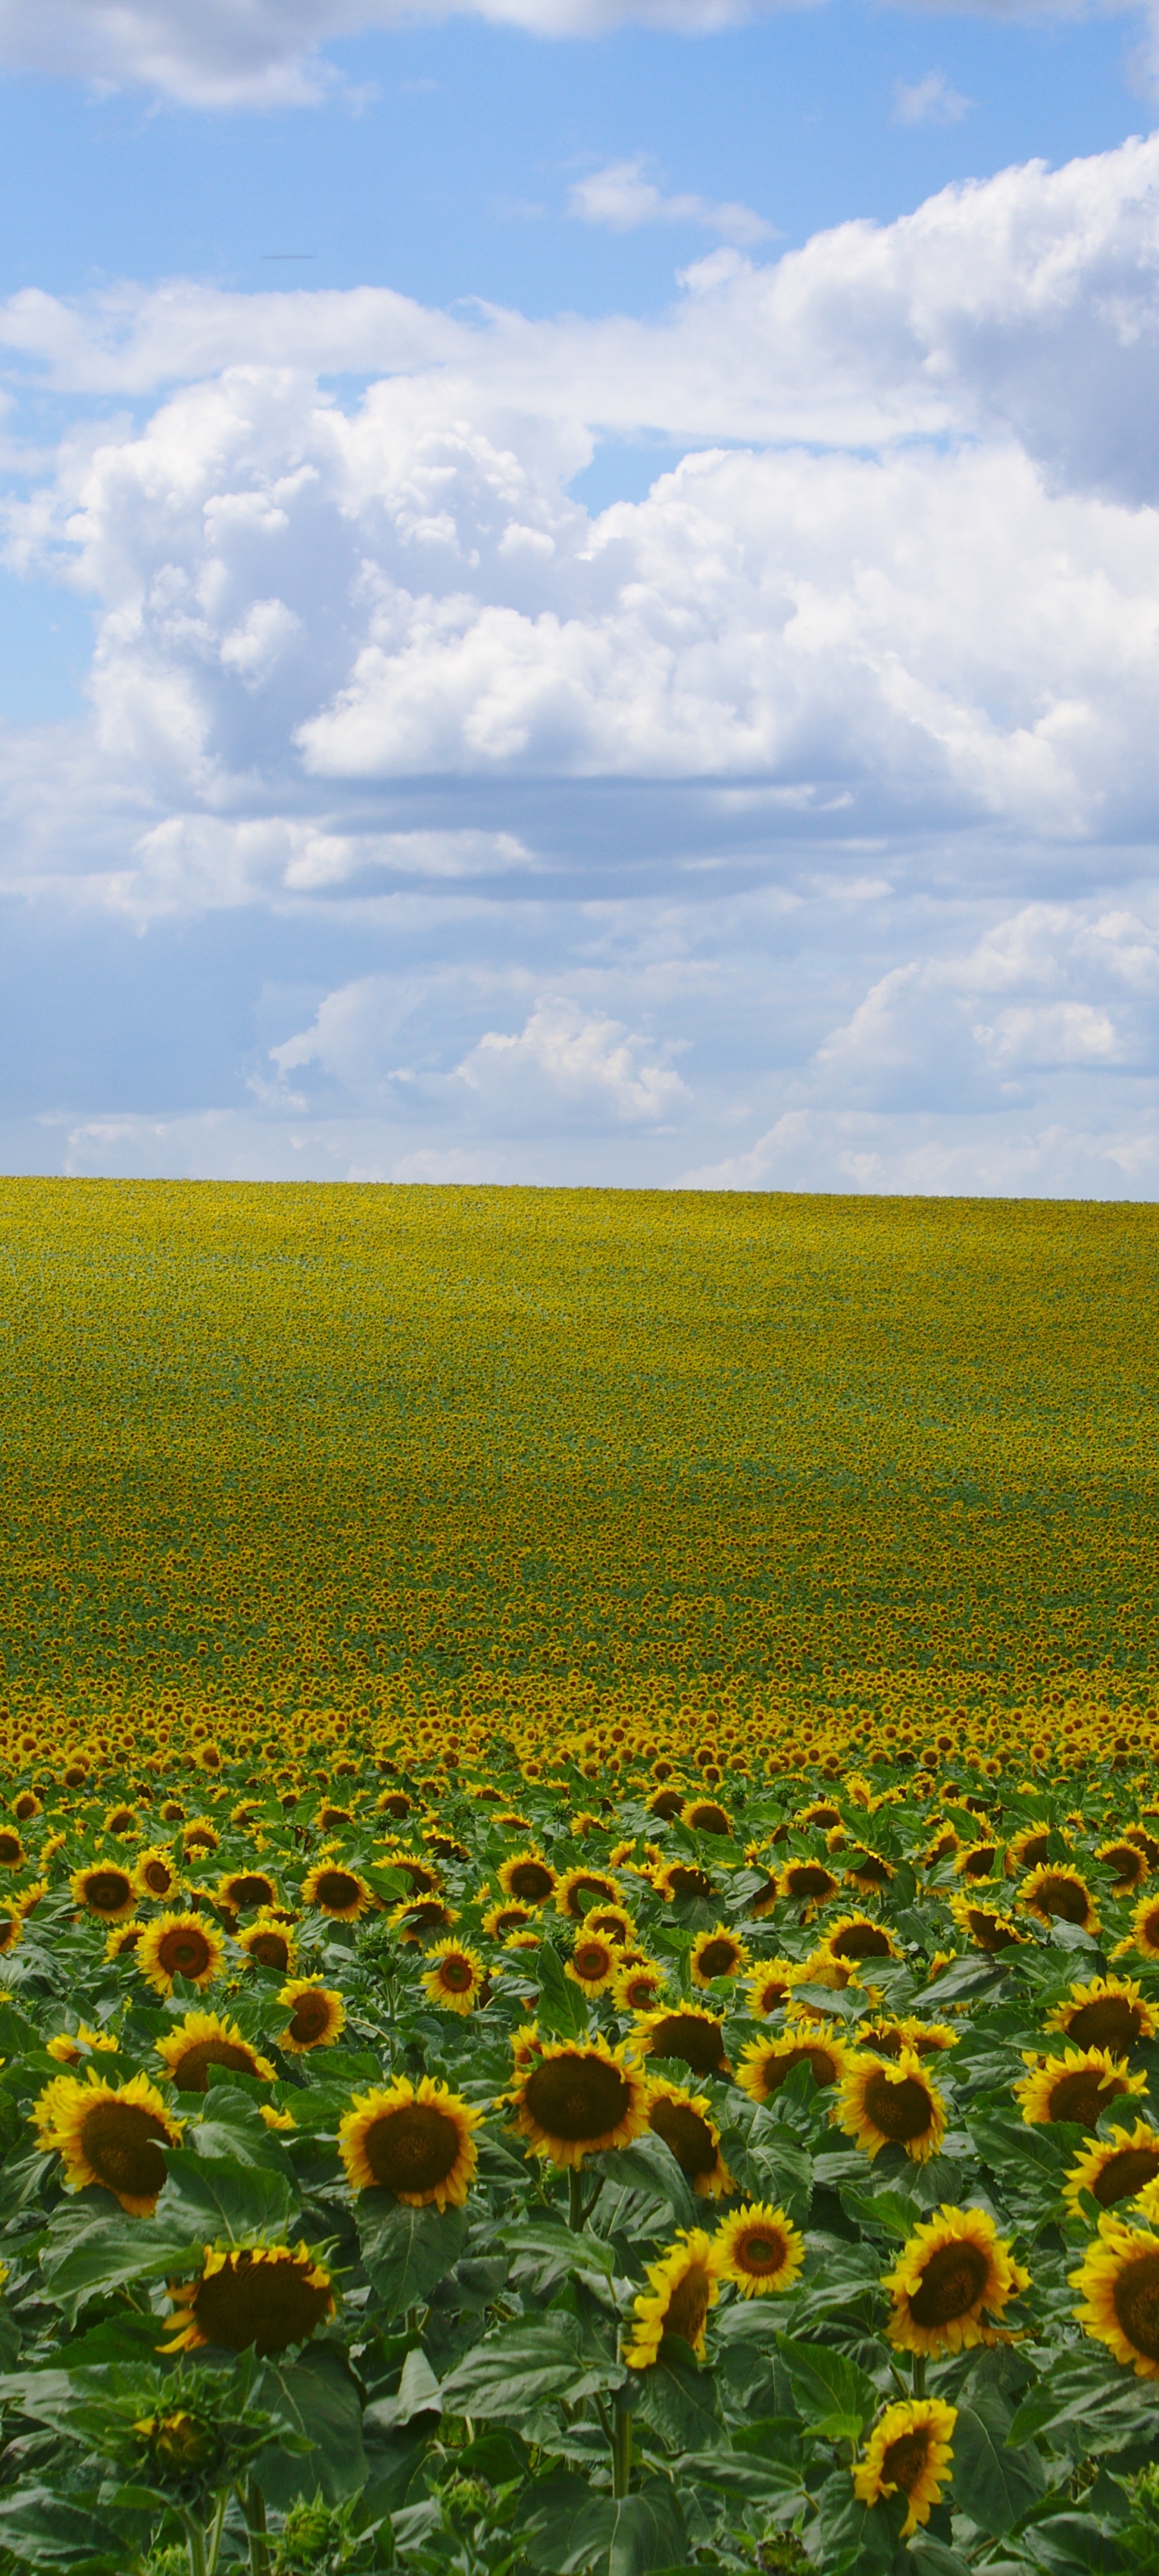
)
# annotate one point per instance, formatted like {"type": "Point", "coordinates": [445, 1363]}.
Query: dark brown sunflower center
{"type": "Point", "coordinates": [532, 1880]}
{"type": "Point", "coordinates": [1111, 2021]}
{"type": "Point", "coordinates": [120, 2142]}
{"type": "Point", "coordinates": [422, 1880]}
{"type": "Point", "coordinates": [311, 2016]}
{"type": "Point", "coordinates": [592, 1888]}
{"type": "Point", "coordinates": [577, 2097]}
{"type": "Point", "coordinates": [886, 2043]}
{"type": "Point", "coordinates": [980, 1862]}
{"type": "Point", "coordinates": [1136, 2304]}
{"type": "Point", "coordinates": [412, 2148]}
{"type": "Point", "coordinates": [638, 1995]}
{"type": "Point", "coordinates": [512, 1919]}
{"type": "Point", "coordinates": [698, 2044]}
{"type": "Point", "coordinates": [9, 1924]}
{"type": "Point", "coordinates": [11, 1850]}
{"type": "Point", "coordinates": [901, 2111]}
{"type": "Point", "coordinates": [807, 1878]}
{"type": "Point", "coordinates": [860, 1941]}
{"type": "Point", "coordinates": [1034, 1852]}
{"type": "Point", "coordinates": [774, 1992]}
{"type": "Point", "coordinates": [337, 1889]}
{"type": "Point", "coordinates": [904, 2461]}
{"type": "Point", "coordinates": [158, 1876]}
{"type": "Point", "coordinates": [1124, 2174]}
{"type": "Point", "coordinates": [267, 2304]}
{"type": "Point", "coordinates": [760, 2251]}
{"type": "Point", "coordinates": [107, 1890]}
{"type": "Point", "coordinates": [777, 2070]}
{"type": "Point", "coordinates": [688, 2306]}
{"type": "Point", "coordinates": [253, 1890]}
{"type": "Point", "coordinates": [191, 2073]}
{"type": "Point", "coordinates": [1082, 2096]}
{"type": "Point", "coordinates": [952, 2282]}
{"type": "Point", "coordinates": [988, 1931]}
{"type": "Point", "coordinates": [709, 1819]}
{"type": "Point", "coordinates": [184, 1952]}
{"type": "Point", "coordinates": [1127, 1863]}
{"type": "Point", "coordinates": [718, 1959]}
{"type": "Point", "coordinates": [456, 1975]}
{"type": "Point", "coordinates": [689, 2137]}
{"type": "Point", "coordinates": [1062, 1896]}
{"type": "Point", "coordinates": [869, 1866]}
{"type": "Point", "coordinates": [270, 1949]}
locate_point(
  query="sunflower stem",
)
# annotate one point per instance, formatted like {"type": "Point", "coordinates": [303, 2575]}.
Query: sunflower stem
{"type": "Point", "coordinates": [622, 2454]}
{"type": "Point", "coordinates": [253, 2505]}
{"type": "Point", "coordinates": [216, 2529]}
{"type": "Point", "coordinates": [919, 2374]}
{"type": "Point", "coordinates": [195, 2542]}
{"type": "Point", "coordinates": [575, 2198]}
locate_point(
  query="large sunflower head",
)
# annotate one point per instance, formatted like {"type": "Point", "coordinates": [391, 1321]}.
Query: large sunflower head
{"type": "Point", "coordinates": [1080, 2085]}
{"type": "Point", "coordinates": [1119, 2280]}
{"type": "Point", "coordinates": [412, 2139]}
{"type": "Point", "coordinates": [204, 2040]}
{"type": "Point", "coordinates": [693, 2036]}
{"type": "Point", "coordinates": [1107, 2013]}
{"type": "Point", "coordinates": [952, 2274]}
{"type": "Point", "coordinates": [716, 1954]}
{"type": "Point", "coordinates": [455, 1976]}
{"type": "Point", "coordinates": [1114, 2169]}
{"type": "Point", "coordinates": [682, 2120]}
{"type": "Point", "coordinates": [892, 2103]}
{"type": "Point", "coordinates": [806, 1882]}
{"type": "Point", "coordinates": [109, 2134]}
{"type": "Point", "coordinates": [581, 1888]}
{"type": "Point", "coordinates": [986, 1927]}
{"type": "Point", "coordinates": [340, 1893]}
{"type": "Point", "coordinates": [180, 1945]}
{"type": "Point", "coordinates": [1129, 1865]}
{"type": "Point", "coordinates": [1029, 1849]}
{"type": "Point", "coordinates": [156, 1874]}
{"type": "Point", "coordinates": [613, 1922]}
{"type": "Point", "coordinates": [317, 2016]}
{"type": "Point", "coordinates": [766, 2064]}
{"type": "Point", "coordinates": [1056, 1893]}
{"type": "Point", "coordinates": [853, 1938]}
{"type": "Point", "coordinates": [578, 2099]}
{"type": "Point", "coordinates": [759, 2249]}
{"type": "Point", "coordinates": [11, 1849]}
{"type": "Point", "coordinates": [104, 1889]}
{"type": "Point", "coordinates": [706, 1816]}
{"type": "Point", "coordinates": [528, 1877]}
{"type": "Point", "coordinates": [682, 2288]}
{"type": "Point", "coordinates": [270, 1943]}
{"type": "Point", "coordinates": [240, 1889]}
{"type": "Point", "coordinates": [1145, 1927]}
{"type": "Point", "coordinates": [909, 2454]}
{"type": "Point", "coordinates": [270, 2296]}
{"type": "Point", "coordinates": [593, 1963]}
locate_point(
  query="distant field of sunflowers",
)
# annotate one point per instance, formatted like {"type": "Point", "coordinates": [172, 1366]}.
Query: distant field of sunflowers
{"type": "Point", "coordinates": [579, 1884]}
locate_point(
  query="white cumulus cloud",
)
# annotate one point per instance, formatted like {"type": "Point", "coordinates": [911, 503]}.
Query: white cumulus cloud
{"type": "Point", "coordinates": [622, 197]}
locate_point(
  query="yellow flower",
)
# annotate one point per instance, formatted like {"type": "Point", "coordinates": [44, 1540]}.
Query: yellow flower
{"type": "Point", "coordinates": [988, 1929]}
{"type": "Point", "coordinates": [155, 1875]}
{"type": "Point", "coordinates": [1145, 1927]}
{"type": "Point", "coordinates": [270, 2296]}
{"type": "Point", "coordinates": [853, 1938]}
{"type": "Point", "coordinates": [578, 2099]}
{"type": "Point", "coordinates": [686, 2032]}
{"type": "Point", "coordinates": [270, 1942]}
{"type": "Point", "coordinates": [340, 1893]}
{"type": "Point", "coordinates": [1130, 1865]}
{"type": "Point", "coordinates": [954, 2270]}
{"type": "Point", "coordinates": [413, 2140]}
{"type": "Point", "coordinates": [716, 1954]}
{"type": "Point", "coordinates": [682, 2120]}
{"type": "Point", "coordinates": [706, 1816]}
{"type": "Point", "coordinates": [637, 1985]}
{"type": "Point", "coordinates": [766, 2064]}
{"type": "Point", "coordinates": [806, 1882]}
{"type": "Point", "coordinates": [1113, 2169]}
{"type": "Point", "coordinates": [1057, 1894]}
{"type": "Point", "coordinates": [502, 1920]}
{"type": "Point", "coordinates": [318, 2017]}
{"type": "Point", "coordinates": [1079, 2085]}
{"type": "Point", "coordinates": [683, 2287]}
{"type": "Point", "coordinates": [180, 1945]}
{"type": "Point", "coordinates": [1120, 2282]}
{"type": "Point", "coordinates": [528, 1876]}
{"type": "Point", "coordinates": [108, 2134]}
{"type": "Point", "coordinates": [105, 1889]}
{"type": "Point", "coordinates": [419, 1919]}
{"type": "Point", "coordinates": [455, 1977]}
{"type": "Point", "coordinates": [205, 2040]}
{"type": "Point", "coordinates": [1108, 2013]}
{"type": "Point", "coordinates": [577, 1886]}
{"type": "Point", "coordinates": [891, 2104]}
{"type": "Point", "coordinates": [909, 2453]}
{"type": "Point", "coordinates": [70, 2047]}
{"type": "Point", "coordinates": [770, 1987]}
{"type": "Point", "coordinates": [759, 2249]}
{"type": "Point", "coordinates": [593, 1963]}
{"type": "Point", "coordinates": [240, 1889]}
{"type": "Point", "coordinates": [275, 2119]}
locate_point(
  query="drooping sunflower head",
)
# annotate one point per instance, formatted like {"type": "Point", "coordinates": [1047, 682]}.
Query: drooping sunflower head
{"type": "Point", "coordinates": [683, 2120]}
{"type": "Point", "coordinates": [707, 1816]}
{"type": "Point", "coordinates": [854, 1937]}
{"type": "Point", "coordinates": [104, 1889]}
{"type": "Point", "coordinates": [1030, 1848]}
{"type": "Point", "coordinates": [528, 1877]}
{"type": "Point", "coordinates": [108, 2134]}
{"type": "Point", "coordinates": [11, 1927]}
{"type": "Point", "coordinates": [593, 1963]}
{"type": "Point", "coordinates": [581, 1888]}
{"type": "Point", "coordinates": [952, 2274]}
{"type": "Point", "coordinates": [892, 2103]}
{"type": "Point", "coordinates": [686, 2032]}
{"type": "Point", "coordinates": [412, 2139]}
{"type": "Point", "coordinates": [869, 1872]}
{"type": "Point", "coordinates": [204, 2040]}
{"type": "Point", "coordinates": [766, 2064]}
{"type": "Point", "coordinates": [340, 1893]}
{"type": "Point", "coordinates": [1114, 2169]}
{"type": "Point", "coordinates": [985, 1926]}
{"type": "Point", "coordinates": [578, 2099]}
{"type": "Point", "coordinates": [759, 2249]}
{"type": "Point", "coordinates": [716, 1954]}
{"type": "Point", "coordinates": [455, 1976]}
{"type": "Point", "coordinates": [1080, 2085]}
{"type": "Point", "coordinates": [1107, 2013]}
{"type": "Point", "coordinates": [682, 2287]}
{"type": "Point", "coordinates": [419, 1920]}
{"type": "Point", "coordinates": [180, 1945]}
{"type": "Point", "coordinates": [806, 1882]}
{"type": "Point", "coordinates": [1056, 1893]}
{"type": "Point", "coordinates": [1128, 1864]}
{"type": "Point", "coordinates": [75, 2047]}
{"type": "Point", "coordinates": [909, 2454]}
{"type": "Point", "coordinates": [1119, 2280]}
{"type": "Point", "coordinates": [317, 2016]}
{"type": "Point", "coordinates": [267, 2296]}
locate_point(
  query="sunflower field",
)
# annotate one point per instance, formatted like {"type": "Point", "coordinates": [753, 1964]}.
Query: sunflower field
{"type": "Point", "coordinates": [579, 1885]}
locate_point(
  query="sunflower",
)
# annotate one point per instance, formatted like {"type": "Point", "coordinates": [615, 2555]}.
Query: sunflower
{"type": "Point", "coordinates": [271, 1943]}
{"type": "Point", "coordinates": [578, 2099]}
{"type": "Point", "coordinates": [527, 1876]}
{"type": "Point", "coordinates": [716, 1954]}
{"type": "Point", "coordinates": [503, 1920]}
{"type": "Point", "coordinates": [770, 1987]}
{"type": "Point", "coordinates": [200, 1836]}
{"type": "Point", "coordinates": [1129, 1864]}
{"type": "Point", "coordinates": [683, 2287]}
{"type": "Point", "coordinates": [419, 1920]}
{"type": "Point", "coordinates": [179, 1945]}
{"type": "Point", "coordinates": [318, 2017]}
{"type": "Point", "coordinates": [593, 1963]}
{"type": "Point", "coordinates": [807, 1882]}
{"type": "Point", "coordinates": [413, 2140]}
{"type": "Point", "coordinates": [707, 1816]}
{"type": "Point", "coordinates": [11, 1849]}
{"type": "Point", "coordinates": [240, 1889]}
{"type": "Point", "coordinates": [686, 2032]}
{"type": "Point", "coordinates": [682, 2120]}
{"type": "Point", "coordinates": [424, 1881]}
{"type": "Point", "coordinates": [455, 1977]}
{"type": "Point", "coordinates": [637, 1985]}
{"type": "Point", "coordinates": [613, 1921]}
{"type": "Point", "coordinates": [868, 1871]}
{"type": "Point", "coordinates": [822, 1814]}
{"type": "Point", "coordinates": [854, 1937]}
{"type": "Point", "coordinates": [122, 1940]}
{"type": "Point", "coordinates": [1107, 2013]}
{"type": "Point", "coordinates": [676, 1880]}
{"type": "Point", "coordinates": [204, 2040]}
{"type": "Point", "coordinates": [1080, 2085]}
{"type": "Point", "coordinates": [949, 2272]}
{"type": "Point", "coordinates": [11, 1928]}
{"type": "Point", "coordinates": [889, 2038]}
{"type": "Point", "coordinates": [581, 1888]}
{"type": "Point", "coordinates": [908, 2454]}
{"type": "Point", "coordinates": [759, 2249]}
{"type": "Point", "coordinates": [1116, 2168]}
{"type": "Point", "coordinates": [893, 2104]}
{"type": "Point", "coordinates": [73, 2047]}
{"type": "Point", "coordinates": [105, 1890]}
{"type": "Point", "coordinates": [267, 2296]}
{"type": "Point", "coordinates": [1056, 1894]}
{"type": "Point", "coordinates": [154, 1874]}
{"type": "Point", "coordinates": [1029, 1848]}
{"type": "Point", "coordinates": [766, 2064]}
{"type": "Point", "coordinates": [1145, 1928]}
{"type": "Point", "coordinates": [340, 1893]}
{"type": "Point", "coordinates": [980, 1860]}
{"type": "Point", "coordinates": [1120, 2282]}
{"type": "Point", "coordinates": [108, 2134]}
{"type": "Point", "coordinates": [987, 1928]}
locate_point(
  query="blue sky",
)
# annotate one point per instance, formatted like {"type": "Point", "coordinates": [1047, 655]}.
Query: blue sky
{"type": "Point", "coordinates": [579, 597]}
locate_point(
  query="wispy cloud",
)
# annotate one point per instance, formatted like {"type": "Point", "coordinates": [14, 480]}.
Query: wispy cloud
{"type": "Point", "coordinates": [932, 101]}
{"type": "Point", "coordinates": [622, 197]}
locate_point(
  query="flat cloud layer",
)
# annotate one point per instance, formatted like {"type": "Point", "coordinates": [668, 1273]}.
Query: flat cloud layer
{"type": "Point", "coordinates": [794, 824]}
